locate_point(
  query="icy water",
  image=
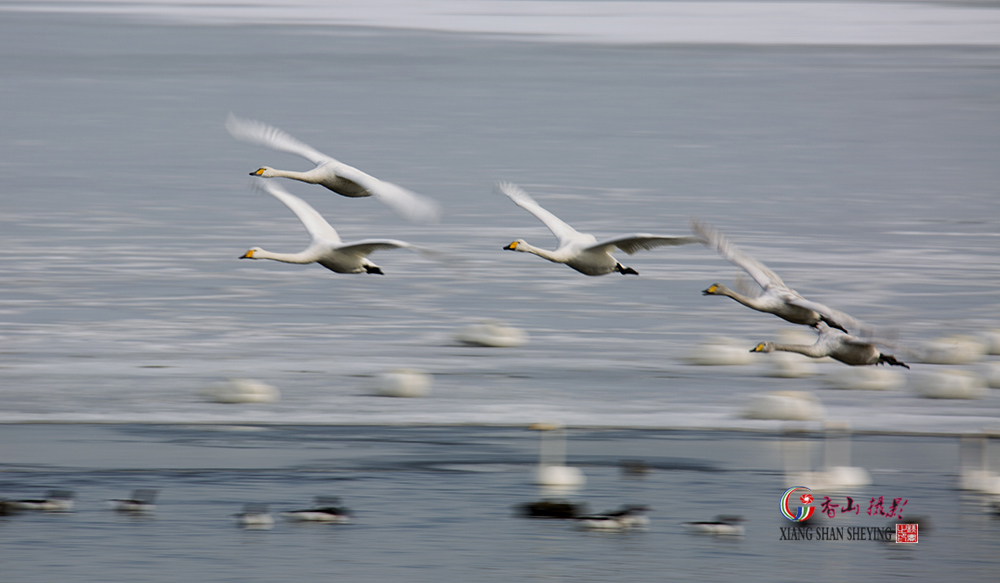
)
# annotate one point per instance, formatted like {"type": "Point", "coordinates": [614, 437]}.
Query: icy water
{"type": "Point", "coordinates": [863, 172]}
{"type": "Point", "coordinates": [439, 504]}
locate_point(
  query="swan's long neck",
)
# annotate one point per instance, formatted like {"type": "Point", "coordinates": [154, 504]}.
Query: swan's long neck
{"type": "Point", "coordinates": [302, 257]}
{"type": "Point", "coordinates": [309, 176]}
{"type": "Point", "coordinates": [543, 253]}
{"type": "Point", "coordinates": [813, 350]}
{"type": "Point", "coordinates": [747, 301]}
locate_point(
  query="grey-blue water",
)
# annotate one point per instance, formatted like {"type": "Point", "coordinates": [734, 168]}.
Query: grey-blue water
{"type": "Point", "coordinates": [438, 504]}
{"type": "Point", "coordinates": [864, 175]}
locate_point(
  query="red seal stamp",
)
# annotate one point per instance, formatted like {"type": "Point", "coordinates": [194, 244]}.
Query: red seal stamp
{"type": "Point", "coordinates": [906, 533]}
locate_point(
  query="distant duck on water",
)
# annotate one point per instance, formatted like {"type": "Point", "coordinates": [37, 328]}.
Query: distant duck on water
{"type": "Point", "coordinates": [327, 509]}
{"type": "Point", "coordinates": [560, 509]}
{"type": "Point", "coordinates": [725, 525]}
{"type": "Point", "coordinates": [630, 516]}
{"type": "Point", "coordinates": [254, 516]}
{"type": "Point", "coordinates": [142, 500]}
{"type": "Point", "coordinates": [54, 501]}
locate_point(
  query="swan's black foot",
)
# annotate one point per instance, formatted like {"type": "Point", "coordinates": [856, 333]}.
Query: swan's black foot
{"type": "Point", "coordinates": [625, 270]}
{"type": "Point", "coordinates": [890, 360]}
{"type": "Point", "coordinates": [833, 324]}
{"type": "Point", "coordinates": [373, 269]}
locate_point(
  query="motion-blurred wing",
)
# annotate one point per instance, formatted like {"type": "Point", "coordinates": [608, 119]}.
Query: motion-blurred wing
{"type": "Point", "coordinates": [367, 246]}
{"type": "Point", "coordinates": [716, 240]}
{"type": "Point", "coordinates": [256, 132]}
{"type": "Point", "coordinates": [311, 219]}
{"type": "Point", "coordinates": [642, 242]}
{"type": "Point", "coordinates": [561, 230]}
{"type": "Point", "coordinates": [406, 203]}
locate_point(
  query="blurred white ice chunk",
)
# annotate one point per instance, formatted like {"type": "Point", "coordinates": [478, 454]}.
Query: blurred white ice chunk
{"type": "Point", "coordinates": [991, 338]}
{"type": "Point", "coordinates": [492, 333]}
{"type": "Point", "coordinates": [403, 382]}
{"type": "Point", "coordinates": [785, 406]}
{"type": "Point", "coordinates": [720, 351]}
{"type": "Point", "coordinates": [992, 375]}
{"type": "Point", "coordinates": [955, 349]}
{"type": "Point", "coordinates": [242, 391]}
{"type": "Point", "coordinates": [788, 365]}
{"type": "Point", "coordinates": [866, 378]}
{"type": "Point", "coordinates": [948, 384]}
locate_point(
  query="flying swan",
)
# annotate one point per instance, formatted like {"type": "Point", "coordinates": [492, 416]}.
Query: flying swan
{"type": "Point", "coordinates": [778, 298]}
{"type": "Point", "coordinates": [838, 346]}
{"type": "Point", "coordinates": [582, 251]}
{"type": "Point", "coordinates": [333, 174]}
{"type": "Point", "coordinates": [326, 248]}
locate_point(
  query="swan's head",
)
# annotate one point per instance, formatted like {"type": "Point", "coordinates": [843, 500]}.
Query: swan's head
{"type": "Point", "coordinates": [713, 290]}
{"type": "Point", "coordinates": [263, 172]}
{"type": "Point", "coordinates": [250, 254]}
{"type": "Point", "coordinates": [514, 246]}
{"type": "Point", "coordinates": [763, 347]}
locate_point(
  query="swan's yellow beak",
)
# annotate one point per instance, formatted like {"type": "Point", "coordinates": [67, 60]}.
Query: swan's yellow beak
{"type": "Point", "coordinates": [712, 289]}
{"type": "Point", "coordinates": [758, 348]}
{"type": "Point", "coordinates": [257, 172]}
{"type": "Point", "coordinates": [247, 255]}
{"type": "Point", "coordinates": [511, 247]}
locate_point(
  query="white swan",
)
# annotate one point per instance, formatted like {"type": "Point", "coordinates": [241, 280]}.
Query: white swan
{"type": "Point", "coordinates": [836, 472]}
{"type": "Point", "coordinates": [975, 477]}
{"type": "Point", "coordinates": [552, 469]}
{"type": "Point", "coordinates": [777, 298]}
{"type": "Point", "coordinates": [326, 249]}
{"type": "Point", "coordinates": [582, 251]}
{"type": "Point", "coordinates": [333, 174]}
{"type": "Point", "coordinates": [838, 346]}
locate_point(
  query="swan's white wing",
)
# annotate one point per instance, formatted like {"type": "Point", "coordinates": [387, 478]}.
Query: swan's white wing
{"type": "Point", "coordinates": [561, 230]}
{"type": "Point", "coordinates": [367, 246]}
{"type": "Point", "coordinates": [406, 203]}
{"type": "Point", "coordinates": [745, 285]}
{"type": "Point", "coordinates": [757, 270]}
{"type": "Point", "coordinates": [642, 242]}
{"type": "Point", "coordinates": [256, 132]}
{"type": "Point", "coordinates": [310, 217]}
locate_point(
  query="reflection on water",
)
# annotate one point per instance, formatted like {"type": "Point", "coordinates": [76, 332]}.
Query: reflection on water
{"type": "Point", "coordinates": [448, 502]}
